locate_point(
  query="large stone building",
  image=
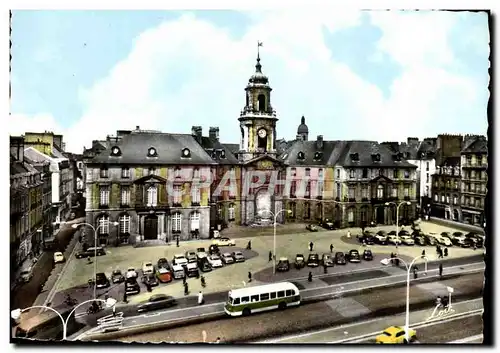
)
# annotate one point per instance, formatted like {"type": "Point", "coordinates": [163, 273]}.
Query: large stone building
{"type": "Point", "coordinates": [163, 186]}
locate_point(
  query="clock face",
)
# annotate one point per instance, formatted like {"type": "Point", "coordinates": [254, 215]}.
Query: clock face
{"type": "Point", "coordinates": [186, 152]}
{"type": "Point", "coordinates": [116, 150]}
{"type": "Point", "coordinates": [262, 133]}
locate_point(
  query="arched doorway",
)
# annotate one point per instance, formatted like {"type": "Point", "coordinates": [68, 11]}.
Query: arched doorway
{"type": "Point", "coordinates": [379, 215]}
{"type": "Point", "coordinates": [263, 204]}
{"type": "Point", "coordinates": [151, 227]}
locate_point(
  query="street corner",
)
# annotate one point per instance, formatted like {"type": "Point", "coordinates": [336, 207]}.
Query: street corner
{"type": "Point", "coordinates": [430, 227]}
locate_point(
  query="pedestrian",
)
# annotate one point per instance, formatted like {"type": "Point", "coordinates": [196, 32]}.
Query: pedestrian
{"type": "Point", "coordinates": [270, 256]}
{"type": "Point", "coordinates": [310, 277]}
{"type": "Point", "coordinates": [397, 261]}
{"type": "Point", "coordinates": [90, 282]}
{"type": "Point", "coordinates": [311, 246]}
{"type": "Point", "coordinates": [444, 301]}
{"type": "Point", "coordinates": [445, 251]}
{"type": "Point", "coordinates": [392, 259]}
{"type": "Point", "coordinates": [331, 247]}
{"type": "Point", "coordinates": [148, 286]}
{"type": "Point", "coordinates": [249, 245]}
{"type": "Point", "coordinates": [184, 280]}
{"type": "Point", "coordinates": [88, 260]}
{"type": "Point", "coordinates": [200, 298]}
{"type": "Point", "coordinates": [440, 270]}
{"type": "Point", "coordinates": [474, 246]}
{"type": "Point", "coordinates": [186, 289]}
{"type": "Point", "coordinates": [415, 274]}
{"type": "Point", "coordinates": [325, 269]}
{"type": "Point", "coordinates": [202, 280]}
{"type": "Point", "coordinates": [438, 301]}
{"type": "Point", "coordinates": [362, 229]}
{"type": "Point", "coordinates": [249, 276]}
{"type": "Point", "coordinates": [348, 234]}
{"type": "Point", "coordinates": [423, 252]}
{"type": "Point", "coordinates": [177, 241]}
{"type": "Point", "coordinates": [440, 252]}
{"type": "Point", "coordinates": [125, 297]}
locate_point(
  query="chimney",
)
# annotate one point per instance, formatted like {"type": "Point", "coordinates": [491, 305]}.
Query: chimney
{"type": "Point", "coordinates": [137, 127]}
{"type": "Point", "coordinates": [213, 133]}
{"type": "Point", "coordinates": [197, 132]}
{"type": "Point", "coordinates": [319, 142]}
{"type": "Point", "coordinates": [17, 147]}
{"type": "Point", "coordinates": [58, 140]}
{"type": "Point", "coordinates": [412, 140]}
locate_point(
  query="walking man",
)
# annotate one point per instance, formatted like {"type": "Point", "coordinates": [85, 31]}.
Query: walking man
{"type": "Point", "coordinates": [440, 270]}
{"type": "Point", "coordinates": [423, 252]}
{"type": "Point", "coordinates": [325, 269]}
{"type": "Point", "coordinates": [445, 251]}
{"type": "Point", "coordinates": [348, 234]}
{"type": "Point", "coordinates": [310, 277]}
{"type": "Point", "coordinates": [177, 241]}
{"type": "Point", "coordinates": [249, 276]}
{"type": "Point", "coordinates": [200, 298]}
{"type": "Point", "coordinates": [415, 274]}
{"type": "Point", "coordinates": [311, 246]}
{"type": "Point", "coordinates": [270, 256]}
{"type": "Point", "coordinates": [331, 247]}
{"type": "Point", "coordinates": [186, 289]}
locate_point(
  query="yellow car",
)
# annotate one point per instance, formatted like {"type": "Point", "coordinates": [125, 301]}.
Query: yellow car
{"type": "Point", "coordinates": [395, 335]}
{"type": "Point", "coordinates": [224, 242]}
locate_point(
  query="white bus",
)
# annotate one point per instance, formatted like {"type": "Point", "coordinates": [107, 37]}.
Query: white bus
{"type": "Point", "coordinates": [248, 300]}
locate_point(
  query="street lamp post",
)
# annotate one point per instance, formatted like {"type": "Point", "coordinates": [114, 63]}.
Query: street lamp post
{"type": "Point", "coordinates": [95, 247]}
{"type": "Point", "coordinates": [16, 313]}
{"type": "Point", "coordinates": [274, 236]}
{"type": "Point", "coordinates": [408, 272]}
{"type": "Point", "coordinates": [397, 217]}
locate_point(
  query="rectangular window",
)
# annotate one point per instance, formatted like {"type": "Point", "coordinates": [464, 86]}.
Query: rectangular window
{"type": "Point", "coordinates": [196, 173]}
{"type": "Point", "coordinates": [407, 174]}
{"type": "Point", "coordinates": [273, 295]}
{"type": "Point", "coordinates": [308, 172]}
{"type": "Point", "coordinates": [236, 301]}
{"type": "Point", "coordinates": [426, 191]}
{"type": "Point", "coordinates": [364, 192]}
{"type": "Point", "coordinates": [288, 293]}
{"type": "Point", "coordinates": [394, 192]}
{"type": "Point", "coordinates": [447, 198]}
{"type": "Point", "coordinates": [436, 197]}
{"type": "Point", "coordinates": [339, 191]}
{"type": "Point", "coordinates": [338, 173]}
{"type": "Point", "coordinates": [231, 212]}
{"type": "Point", "coordinates": [125, 196]}
{"type": "Point", "coordinates": [281, 294]}
{"type": "Point", "coordinates": [350, 215]}
{"type": "Point", "coordinates": [365, 173]}
{"type": "Point", "coordinates": [195, 194]}
{"type": "Point", "coordinates": [125, 173]}
{"type": "Point", "coordinates": [293, 172]}
{"type": "Point", "coordinates": [442, 198]}
{"type": "Point", "coordinates": [124, 224]}
{"type": "Point", "coordinates": [152, 198]}
{"type": "Point", "coordinates": [104, 173]}
{"type": "Point", "coordinates": [469, 160]}
{"type": "Point", "coordinates": [427, 166]}
{"type": "Point", "coordinates": [407, 191]}
{"type": "Point", "coordinates": [455, 200]}
{"type": "Point", "coordinates": [104, 196]}
{"type": "Point", "coordinates": [427, 178]}
{"type": "Point", "coordinates": [254, 298]}
{"type": "Point", "coordinates": [264, 296]}
{"type": "Point", "coordinates": [352, 173]}
{"type": "Point", "coordinates": [293, 188]}
{"type": "Point", "coordinates": [245, 299]}
{"type": "Point", "coordinates": [380, 192]}
{"type": "Point", "coordinates": [308, 189]}
{"type": "Point", "coordinates": [351, 193]}
{"type": "Point", "coordinates": [395, 174]}
{"type": "Point", "coordinates": [176, 222]}
{"type": "Point", "coordinates": [177, 194]}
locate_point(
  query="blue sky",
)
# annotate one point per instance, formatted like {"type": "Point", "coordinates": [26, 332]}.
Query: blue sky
{"type": "Point", "coordinates": [358, 75]}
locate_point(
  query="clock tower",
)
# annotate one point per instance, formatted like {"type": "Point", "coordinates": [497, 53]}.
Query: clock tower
{"type": "Point", "coordinates": [258, 118]}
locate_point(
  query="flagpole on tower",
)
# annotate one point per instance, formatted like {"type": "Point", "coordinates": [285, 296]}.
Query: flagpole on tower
{"type": "Point", "coordinates": [259, 44]}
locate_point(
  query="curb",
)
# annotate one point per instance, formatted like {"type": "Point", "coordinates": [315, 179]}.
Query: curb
{"type": "Point", "coordinates": [181, 322]}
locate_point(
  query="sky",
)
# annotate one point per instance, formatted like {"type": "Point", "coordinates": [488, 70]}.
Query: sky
{"type": "Point", "coordinates": [371, 75]}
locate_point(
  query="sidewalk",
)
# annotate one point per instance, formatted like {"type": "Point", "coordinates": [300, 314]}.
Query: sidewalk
{"type": "Point", "coordinates": [457, 225]}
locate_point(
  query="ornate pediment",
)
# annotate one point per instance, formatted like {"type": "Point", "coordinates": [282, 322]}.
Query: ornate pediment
{"type": "Point", "coordinates": [381, 178]}
{"type": "Point", "coordinates": [265, 163]}
{"type": "Point", "coordinates": [150, 179]}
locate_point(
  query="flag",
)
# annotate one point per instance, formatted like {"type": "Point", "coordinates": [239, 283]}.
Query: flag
{"type": "Point", "coordinates": [259, 44]}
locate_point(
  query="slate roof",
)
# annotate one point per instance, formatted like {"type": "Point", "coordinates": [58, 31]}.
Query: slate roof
{"type": "Point", "coordinates": [312, 154]}
{"type": "Point", "coordinates": [214, 149]}
{"type": "Point", "coordinates": [17, 168]}
{"type": "Point", "coordinates": [232, 147]}
{"type": "Point", "coordinates": [477, 144]}
{"type": "Point", "coordinates": [366, 150]}
{"type": "Point", "coordinates": [135, 146]}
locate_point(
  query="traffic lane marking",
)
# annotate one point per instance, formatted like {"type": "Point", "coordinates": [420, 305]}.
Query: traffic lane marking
{"type": "Point", "coordinates": [470, 339]}
{"type": "Point", "coordinates": [479, 301]}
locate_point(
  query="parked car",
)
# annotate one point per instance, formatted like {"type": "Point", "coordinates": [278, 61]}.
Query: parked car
{"type": "Point", "coordinates": [367, 255]}
{"type": "Point", "coordinates": [178, 271]}
{"type": "Point", "coordinates": [462, 241]}
{"type": "Point", "coordinates": [447, 235]}
{"type": "Point", "coordinates": [131, 273]}
{"type": "Point", "coordinates": [393, 239]}
{"type": "Point", "coordinates": [392, 232]}
{"type": "Point", "coordinates": [367, 238]}
{"type": "Point", "coordinates": [416, 227]}
{"type": "Point", "coordinates": [354, 256]}
{"type": "Point", "coordinates": [204, 265]}
{"type": "Point", "coordinates": [192, 269]}
{"type": "Point", "coordinates": [26, 275]}
{"type": "Point", "coordinates": [442, 240]}
{"type": "Point", "coordinates": [283, 265]}
{"type": "Point", "coordinates": [458, 234]}
{"type": "Point", "coordinates": [148, 268]}
{"type": "Point", "coordinates": [407, 240]}
{"type": "Point", "coordinates": [381, 237]}
{"type": "Point", "coordinates": [340, 258]}
{"type": "Point", "coordinates": [430, 239]}
{"type": "Point", "coordinates": [201, 253]}
{"type": "Point", "coordinates": [327, 224]}
{"type": "Point", "coordinates": [179, 259]}
{"type": "Point", "coordinates": [313, 260]}
{"type": "Point", "coordinates": [300, 261]}
{"type": "Point", "coordinates": [151, 279]}
{"type": "Point", "coordinates": [213, 250]}
{"type": "Point", "coordinates": [419, 239]}
{"type": "Point", "coordinates": [164, 275]}
{"type": "Point", "coordinates": [312, 228]}
{"type": "Point", "coordinates": [238, 256]}
{"type": "Point", "coordinates": [395, 335]}
{"type": "Point", "coordinates": [227, 258]}
{"type": "Point", "coordinates": [191, 256]}
{"type": "Point", "coordinates": [156, 302]}
{"type": "Point", "coordinates": [58, 257]}
{"type": "Point", "coordinates": [326, 260]}
{"type": "Point", "coordinates": [131, 286]}
{"type": "Point", "coordinates": [215, 261]}
{"type": "Point", "coordinates": [474, 238]}
{"type": "Point", "coordinates": [403, 233]}
{"type": "Point", "coordinates": [117, 276]}
{"type": "Point", "coordinates": [224, 242]}
{"type": "Point", "coordinates": [90, 252]}
{"type": "Point", "coordinates": [163, 263]}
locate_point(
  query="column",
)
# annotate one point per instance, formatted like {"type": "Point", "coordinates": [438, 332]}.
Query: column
{"type": "Point", "coordinates": [245, 138]}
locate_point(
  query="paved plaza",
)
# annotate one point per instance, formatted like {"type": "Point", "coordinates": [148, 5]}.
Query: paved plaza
{"type": "Point", "coordinates": [75, 277]}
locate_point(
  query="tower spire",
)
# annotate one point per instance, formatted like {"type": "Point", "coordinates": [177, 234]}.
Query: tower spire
{"type": "Point", "coordinates": [258, 66]}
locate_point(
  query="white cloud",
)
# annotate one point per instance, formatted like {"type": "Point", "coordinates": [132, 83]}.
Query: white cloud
{"type": "Point", "coordinates": [18, 124]}
{"type": "Point", "coordinates": [190, 72]}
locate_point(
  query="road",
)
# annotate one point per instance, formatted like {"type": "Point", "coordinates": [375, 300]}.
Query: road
{"type": "Point", "coordinates": [320, 285]}
{"type": "Point", "coordinates": [312, 316]}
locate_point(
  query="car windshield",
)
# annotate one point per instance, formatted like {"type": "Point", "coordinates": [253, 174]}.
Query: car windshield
{"type": "Point", "coordinates": [215, 258]}
{"type": "Point", "coordinates": [117, 272]}
{"type": "Point", "coordinates": [387, 333]}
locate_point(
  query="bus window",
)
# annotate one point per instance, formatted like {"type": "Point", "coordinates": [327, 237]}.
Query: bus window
{"type": "Point", "coordinates": [273, 295]}
{"type": "Point", "coordinates": [294, 292]}
{"type": "Point", "coordinates": [229, 299]}
{"type": "Point", "coordinates": [281, 294]}
{"type": "Point", "coordinates": [254, 298]}
{"type": "Point", "coordinates": [289, 292]}
{"type": "Point", "coordinates": [245, 299]}
{"type": "Point", "coordinates": [264, 296]}
{"type": "Point", "coordinates": [236, 301]}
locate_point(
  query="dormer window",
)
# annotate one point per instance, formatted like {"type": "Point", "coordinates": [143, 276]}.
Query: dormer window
{"type": "Point", "coordinates": [115, 151]}
{"type": "Point", "coordinates": [152, 152]}
{"type": "Point", "coordinates": [318, 155]}
{"type": "Point", "coordinates": [104, 172]}
{"type": "Point", "coordinates": [376, 157]}
{"type": "Point", "coordinates": [222, 154]}
{"type": "Point", "coordinates": [196, 173]}
{"type": "Point", "coordinates": [301, 155]}
{"type": "Point", "coordinates": [354, 157]}
{"type": "Point", "coordinates": [422, 154]}
{"type": "Point", "coordinates": [396, 157]}
{"type": "Point", "coordinates": [186, 153]}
